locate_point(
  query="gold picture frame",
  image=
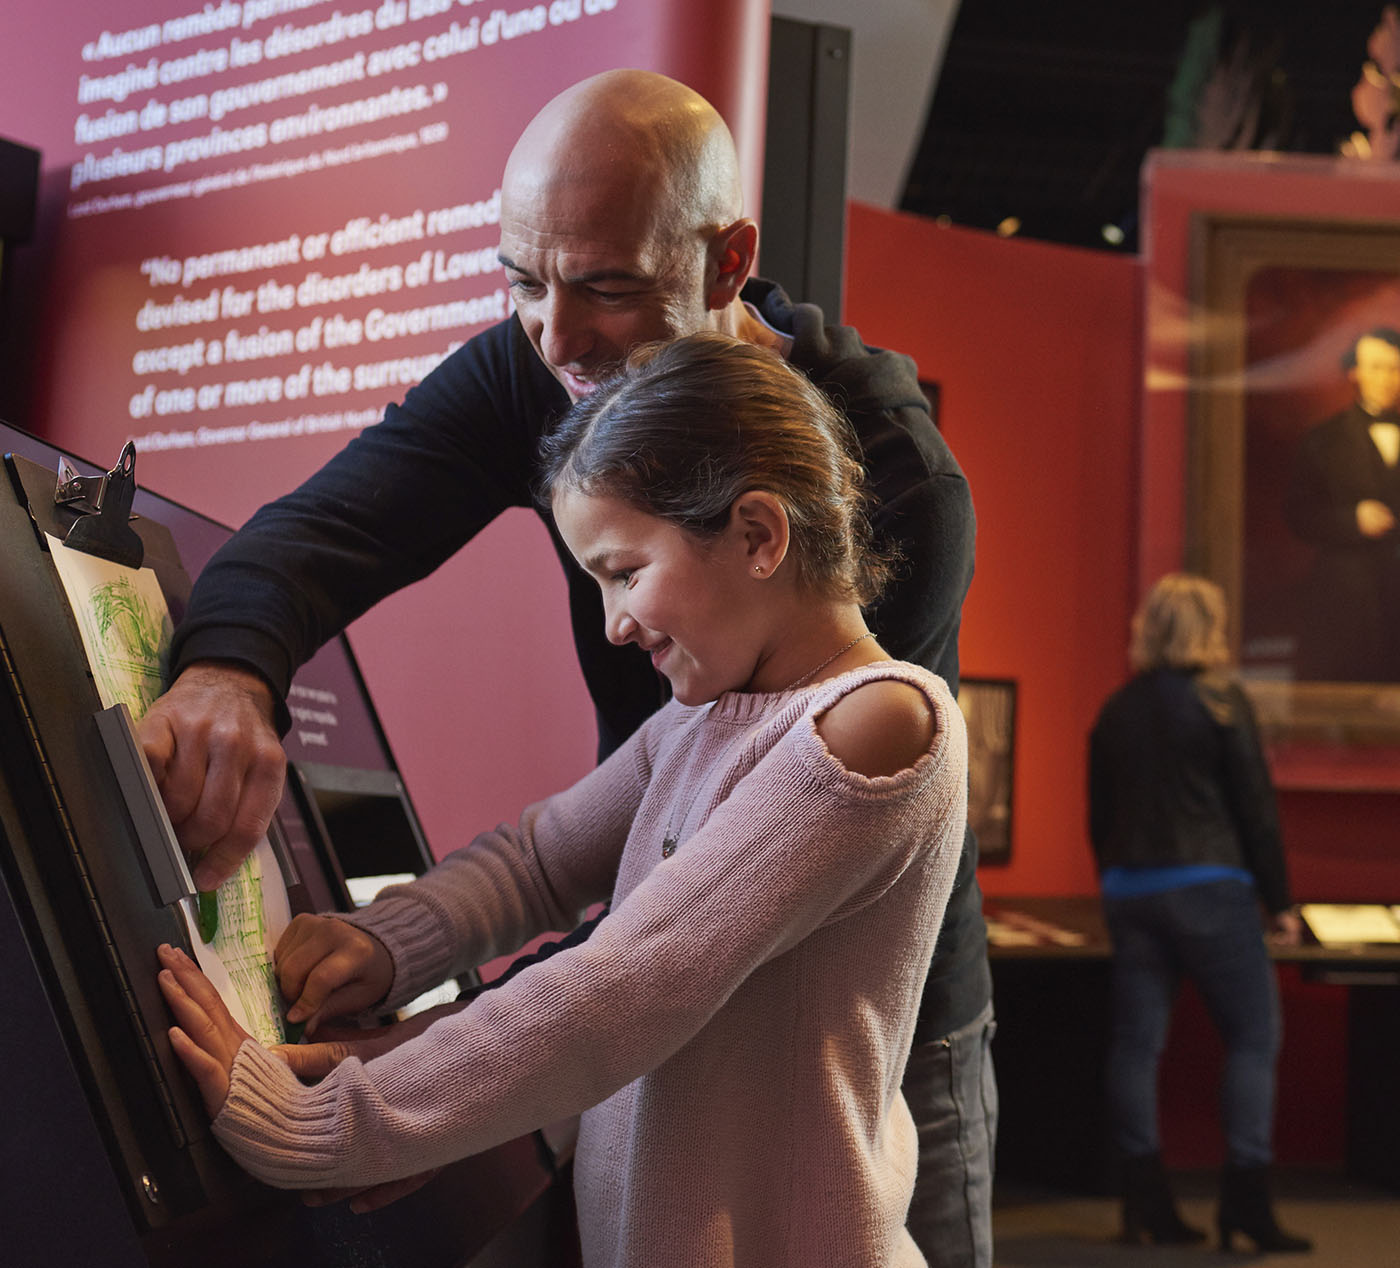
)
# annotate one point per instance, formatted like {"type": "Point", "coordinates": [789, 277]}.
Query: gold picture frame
{"type": "Point", "coordinates": [989, 708]}
{"type": "Point", "coordinates": [1277, 303]}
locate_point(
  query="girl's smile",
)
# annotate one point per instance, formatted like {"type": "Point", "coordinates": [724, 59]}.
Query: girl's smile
{"type": "Point", "coordinates": [687, 601]}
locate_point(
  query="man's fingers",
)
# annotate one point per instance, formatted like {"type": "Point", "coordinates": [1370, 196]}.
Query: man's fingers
{"type": "Point", "coordinates": [158, 741]}
{"type": "Point", "coordinates": [237, 812]}
{"type": "Point", "coordinates": [238, 795]}
{"type": "Point", "coordinates": [220, 767]}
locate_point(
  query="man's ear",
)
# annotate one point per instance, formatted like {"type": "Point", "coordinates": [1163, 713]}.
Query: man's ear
{"type": "Point", "coordinates": [732, 253]}
{"type": "Point", "coordinates": [758, 522]}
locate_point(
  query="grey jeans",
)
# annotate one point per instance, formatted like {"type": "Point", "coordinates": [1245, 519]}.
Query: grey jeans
{"type": "Point", "coordinates": [952, 1092]}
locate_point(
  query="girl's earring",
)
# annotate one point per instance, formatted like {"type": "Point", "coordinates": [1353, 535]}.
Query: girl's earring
{"type": "Point", "coordinates": [758, 568]}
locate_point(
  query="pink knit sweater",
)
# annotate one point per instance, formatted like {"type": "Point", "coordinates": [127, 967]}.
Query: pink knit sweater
{"type": "Point", "coordinates": [735, 1031]}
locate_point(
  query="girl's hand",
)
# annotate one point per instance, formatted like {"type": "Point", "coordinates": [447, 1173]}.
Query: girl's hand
{"type": "Point", "coordinates": [328, 968]}
{"type": "Point", "coordinates": [207, 1038]}
{"type": "Point", "coordinates": [313, 1061]}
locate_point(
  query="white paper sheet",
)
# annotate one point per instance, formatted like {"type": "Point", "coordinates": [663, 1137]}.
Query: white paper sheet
{"type": "Point", "coordinates": [124, 622]}
{"type": "Point", "coordinates": [1343, 924]}
{"type": "Point", "coordinates": [125, 625]}
{"type": "Point", "coordinates": [253, 912]}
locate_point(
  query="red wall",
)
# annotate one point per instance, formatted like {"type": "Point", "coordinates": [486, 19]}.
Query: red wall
{"type": "Point", "coordinates": [1035, 350]}
{"type": "Point", "coordinates": [1038, 352]}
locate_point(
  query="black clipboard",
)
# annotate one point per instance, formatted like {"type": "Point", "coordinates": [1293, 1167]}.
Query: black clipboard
{"type": "Point", "coordinates": [91, 910]}
{"type": "Point", "coordinates": [99, 885]}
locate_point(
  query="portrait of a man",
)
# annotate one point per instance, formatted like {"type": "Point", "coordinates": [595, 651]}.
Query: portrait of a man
{"type": "Point", "coordinates": [1293, 488]}
{"type": "Point", "coordinates": [1343, 500]}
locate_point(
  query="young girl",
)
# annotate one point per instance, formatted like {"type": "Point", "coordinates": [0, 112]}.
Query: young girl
{"type": "Point", "coordinates": [777, 843]}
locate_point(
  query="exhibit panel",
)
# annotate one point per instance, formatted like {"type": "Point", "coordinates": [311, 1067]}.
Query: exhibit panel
{"type": "Point", "coordinates": [354, 246]}
{"type": "Point", "coordinates": [93, 883]}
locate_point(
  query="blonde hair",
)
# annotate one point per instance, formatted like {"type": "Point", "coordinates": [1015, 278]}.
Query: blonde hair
{"type": "Point", "coordinates": [1180, 625]}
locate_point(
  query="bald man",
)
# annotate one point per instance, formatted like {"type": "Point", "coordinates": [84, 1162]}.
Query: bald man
{"type": "Point", "coordinates": [621, 222]}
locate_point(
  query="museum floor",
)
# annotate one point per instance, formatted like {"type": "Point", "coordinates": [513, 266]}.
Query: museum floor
{"type": "Point", "coordinates": [1351, 1225]}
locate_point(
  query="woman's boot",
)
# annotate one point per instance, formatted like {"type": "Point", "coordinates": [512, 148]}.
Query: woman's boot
{"type": "Point", "coordinates": [1246, 1207]}
{"type": "Point", "coordinates": [1149, 1213]}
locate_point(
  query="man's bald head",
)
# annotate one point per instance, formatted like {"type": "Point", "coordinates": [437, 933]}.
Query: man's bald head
{"type": "Point", "coordinates": [633, 134]}
{"type": "Point", "coordinates": [622, 223]}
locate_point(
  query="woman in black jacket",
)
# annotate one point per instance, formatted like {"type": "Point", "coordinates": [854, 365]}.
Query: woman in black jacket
{"type": "Point", "coordinates": [1185, 834]}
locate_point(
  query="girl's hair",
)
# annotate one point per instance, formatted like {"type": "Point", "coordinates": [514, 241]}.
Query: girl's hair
{"type": "Point", "coordinates": [1181, 624]}
{"type": "Point", "coordinates": [692, 424]}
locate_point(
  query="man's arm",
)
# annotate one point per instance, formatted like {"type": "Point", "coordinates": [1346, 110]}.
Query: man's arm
{"type": "Point", "coordinates": [384, 512]}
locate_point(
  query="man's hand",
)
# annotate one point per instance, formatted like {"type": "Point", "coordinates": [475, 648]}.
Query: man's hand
{"type": "Point", "coordinates": [207, 1038]}
{"type": "Point", "coordinates": [1373, 518]}
{"type": "Point", "coordinates": [220, 767]}
{"type": "Point", "coordinates": [328, 968]}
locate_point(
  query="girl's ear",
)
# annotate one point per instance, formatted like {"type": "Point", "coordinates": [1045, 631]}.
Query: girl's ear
{"type": "Point", "coordinates": [758, 522]}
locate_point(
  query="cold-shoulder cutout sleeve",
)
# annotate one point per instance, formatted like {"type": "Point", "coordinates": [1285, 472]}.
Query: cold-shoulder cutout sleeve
{"type": "Point", "coordinates": [880, 728]}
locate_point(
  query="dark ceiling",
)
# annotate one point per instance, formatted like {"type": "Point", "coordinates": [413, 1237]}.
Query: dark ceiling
{"type": "Point", "coordinates": [1044, 111]}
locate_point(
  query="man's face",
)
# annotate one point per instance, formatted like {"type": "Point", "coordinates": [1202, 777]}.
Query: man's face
{"type": "Point", "coordinates": [1376, 374]}
{"type": "Point", "coordinates": [595, 272]}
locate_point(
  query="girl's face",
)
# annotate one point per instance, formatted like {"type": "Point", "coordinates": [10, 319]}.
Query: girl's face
{"type": "Point", "coordinates": [688, 602]}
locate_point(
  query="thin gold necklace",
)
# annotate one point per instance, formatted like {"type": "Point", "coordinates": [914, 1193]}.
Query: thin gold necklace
{"type": "Point", "coordinates": [836, 655]}
{"type": "Point", "coordinates": [669, 840]}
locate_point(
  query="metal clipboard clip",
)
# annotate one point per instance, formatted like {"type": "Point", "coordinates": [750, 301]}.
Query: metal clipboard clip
{"type": "Point", "coordinates": [103, 506]}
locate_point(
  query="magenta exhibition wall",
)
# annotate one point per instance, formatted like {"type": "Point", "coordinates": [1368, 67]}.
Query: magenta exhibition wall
{"type": "Point", "coordinates": [263, 221]}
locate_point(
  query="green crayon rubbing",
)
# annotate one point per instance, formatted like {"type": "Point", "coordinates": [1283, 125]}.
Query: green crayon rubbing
{"type": "Point", "coordinates": [208, 914]}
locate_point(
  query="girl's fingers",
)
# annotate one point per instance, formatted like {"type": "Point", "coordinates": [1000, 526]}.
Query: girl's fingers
{"type": "Point", "coordinates": [192, 979]}
{"type": "Point", "coordinates": [199, 990]}
{"type": "Point", "coordinates": [186, 1011]}
{"type": "Point", "coordinates": [206, 1037]}
{"type": "Point", "coordinates": [208, 1073]}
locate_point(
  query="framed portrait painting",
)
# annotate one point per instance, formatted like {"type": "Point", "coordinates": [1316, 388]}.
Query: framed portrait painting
{"type": "Point", "coordinates": [1293, 497]}
{"type": "Point", "coordinates": [989, 707]}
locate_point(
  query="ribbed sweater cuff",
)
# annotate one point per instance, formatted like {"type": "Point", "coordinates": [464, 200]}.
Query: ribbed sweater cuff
{"type": "Point", "coordinates": [417, 945]}
{"type": "Point", "coordinates": [281, 1131]}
